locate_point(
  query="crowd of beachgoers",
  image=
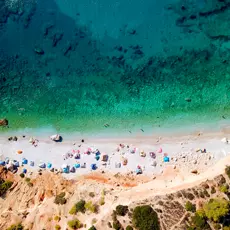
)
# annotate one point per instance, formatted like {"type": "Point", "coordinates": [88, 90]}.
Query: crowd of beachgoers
{"type": "Point", "coordinates": [26, 155]}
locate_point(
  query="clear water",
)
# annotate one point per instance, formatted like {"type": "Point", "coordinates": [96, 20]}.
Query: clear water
{"type": "Point", "coordinates": [130, 64]}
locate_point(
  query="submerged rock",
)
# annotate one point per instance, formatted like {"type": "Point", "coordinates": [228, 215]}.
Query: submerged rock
{"type": "Point", "coordinates": [39, 51]}
{"type": "Point", "coordinates": [4, 122]}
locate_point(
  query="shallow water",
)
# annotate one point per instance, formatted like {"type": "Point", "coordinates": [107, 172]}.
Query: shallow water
{"type": "Point", "coordinates": [132, 66]}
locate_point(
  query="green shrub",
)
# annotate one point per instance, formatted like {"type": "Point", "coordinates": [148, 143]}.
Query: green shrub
{"type": "Point", "coordinates": [121, 210]}
{"type": "Point", "coordinates": [57, 227]}
{"type": "Point", "coordinates": [91, 207]}
{"type": "Point", "coordinates": [226, 228]}
{"type": "Point", "coordinates": [216, 226]}
{"type": "Point", "coordinates": [92, 228]}
{"type": "Point", "coordinates": [145, 218]}
{"type": "Point", "coordinates": [102, 201]}
{"type": "Point", "coordinates": [216, 208]}
{"type": "Point", "coordinates": [60, 199]}
{"type": "Point", "coordinates": [227, 171]}
{"type": "Point", "coordinates": [190, 207]}
{"type": "Point", "coordinates": [22, 175]}
{"type": "Point", "coordinates": [74, 224]}
{"type": "Point", "coordinates": [4, 186]}
{"type": "Point", "coordinates": [213, 190]}
{"type": "Point", "coordinates": [78, 207]}
{"type": "Point", "coordinates": [27, 179]}
{"type": "Point", "coordinates": [15, 227]}
{"type": "Point", "coordinates": [57, 218]}
{"type": "Point", "coordinates": [224, 188]}
{"type": "Point", "coordinates": [129, 227]}
{"type": "Point", "coordinates": [117, 225]}
{"type": "Point", "coordinates": [91, 194]}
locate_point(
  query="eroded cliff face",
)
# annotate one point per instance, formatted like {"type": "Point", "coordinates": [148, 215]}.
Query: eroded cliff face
{"type": "Point", "coordinates": [32, 201]}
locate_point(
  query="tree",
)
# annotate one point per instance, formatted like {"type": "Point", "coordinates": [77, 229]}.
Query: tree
{"type": "Point", "coordinates": [122, 210]}
{"type": "Point", "coordinates": [74, 224]}
{"type": "Point", "coordinates": [199, 222]}
{"type": "Point", "coordinates": [145, 218]}
{"type": "Point", "coordinates": [216, 208]}
{"type": "Point", "coordinates": [92, 228]}
{"type": "Point", "coordinates": [78, 207]}
{"type": "Point", "coordinates": [190, 207]}
{"type": "Point", "coordinates": [60, 199]}
{"type": "Point", "coordinates": [129, 227]}
{"type": "Point", "coordinates": [227, 171]}
{"type": "Point", "coordinates": [15, 227]}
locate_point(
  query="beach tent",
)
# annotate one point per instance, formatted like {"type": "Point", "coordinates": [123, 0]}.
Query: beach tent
{"type": "Point", "coordinates": [65, 168]}
{"type": "Point", "coordinates": [2, 163]}
{"type": "Point", "coordinates": [7, 160]}
{"type": "Point", "coordinates": [24, 161]}
{"type": "Point", "coordinates": [72, 170]}
{"type": "Point", "coordinates": [152, 155]}
{"type": "Point", "coordinates": [15, 163]}
{"type": "Point", "coordinates": [166, 159]}
{"type": "Point", "coordinates": [93, 166]}
{"type": "Point", "coordinates": [77, 155]}
{"type": "Point", "coordinates": [42, 165]}
{"type": "Point", "coordinates": [32, 163]}
{"type": "Point", "coordinates": [117, 165]}
{"type": "Point", "coordinates": [24, 171]}
{"type": "Point", "coordinates": [49, 165]}
{"type": "Point", "coordinates": [77, 165]}
{"type": "Point", "coordinates": [104, 157]}
{"type": "Point", "coordinates": [97, 157]}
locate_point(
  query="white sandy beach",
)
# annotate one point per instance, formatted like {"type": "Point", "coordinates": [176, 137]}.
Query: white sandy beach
{"type": "Point", "coordinates": [183, 152]}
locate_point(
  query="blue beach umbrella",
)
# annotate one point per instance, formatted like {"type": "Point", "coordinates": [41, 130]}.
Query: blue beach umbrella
{"type": "Point", "coordinates": [2, 163]}
{"type": "Point", "coordinates": [77, 166]}
{"type": "Point", "coordinates": [24, 171]}
{"type": "Point", "coordinates": [24, 161]}
{"type": "Point", "coordinates": [49, 165]}
{"type": "Point", "coordinates": [93, 166]}
{"type": "Point", "coordinates": [166, 159]}
{"type": "Point", "coordinates": [97, 157]}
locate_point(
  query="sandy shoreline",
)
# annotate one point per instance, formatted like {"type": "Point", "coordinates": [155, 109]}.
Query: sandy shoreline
{"type": "Point", "coordinates": [183, 152]}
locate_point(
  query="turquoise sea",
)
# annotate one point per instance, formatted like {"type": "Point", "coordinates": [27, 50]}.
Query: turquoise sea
{"type": "Point", "coordinates": [79, 65]}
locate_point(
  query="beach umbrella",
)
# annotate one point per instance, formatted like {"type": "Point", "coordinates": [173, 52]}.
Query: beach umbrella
{"type": "Point", "coordinates": [32, 163]}
{"type": "Point", "coordinates": [24, 161]}
{"type": "Point", "coordinates": [97, 153]}
{"type": "Point", "coordinates": [97, 157]}
{"type": "Point", "coordinates": [142, 153]}
{"type": "Point", "coordinates": [24, 171]}
{"type": "Point", "coordinates": [19, 152]}
{"type": "Point", "coordinates": [159, 150]}
{"type": "Point", "coordinates": [166, 159]}
{"type": "Point", "coordinates": [2, 163]}
{"type": "Point", "coordinates": [152, 155]}
{"type": "Point", "coordinates": [93, 166]}
{"type": "Point", "coordinates": [49, 165]}
{"type": "Point", "coordinates": [77, 165]}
